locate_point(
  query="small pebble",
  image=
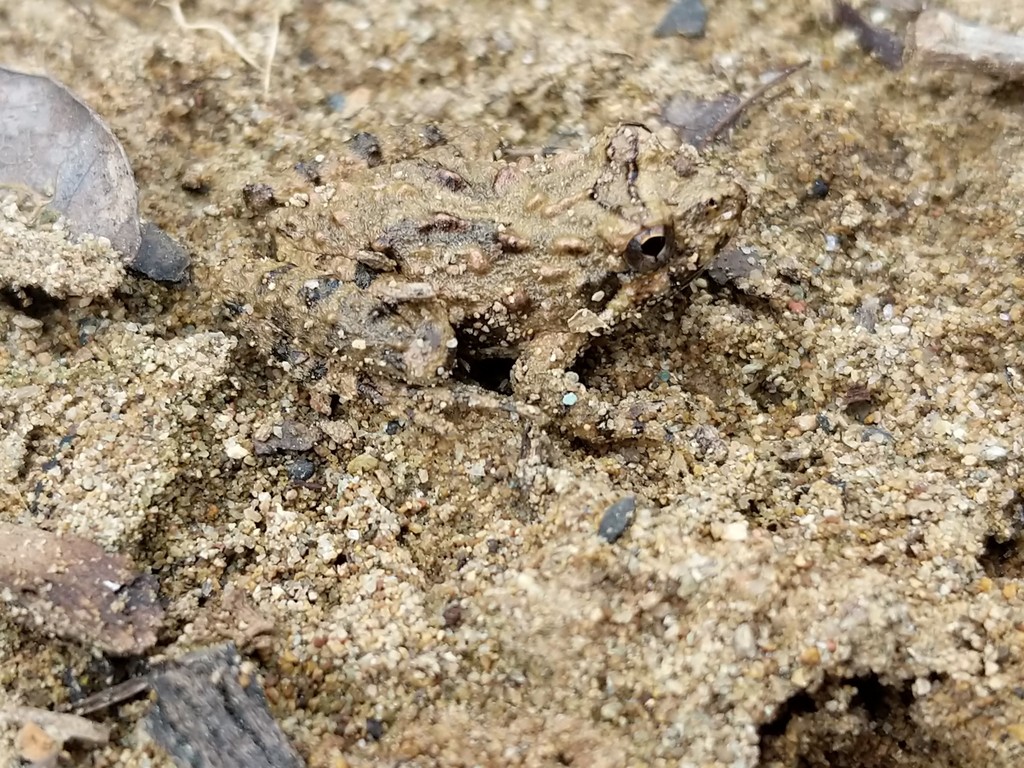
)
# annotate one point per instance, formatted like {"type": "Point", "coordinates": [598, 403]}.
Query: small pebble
{"type": "Point", "coordinates": [696, 119]}
{"type": "Point", "coordinates": [194, 179]}
{"type": "Point", "coordinates": [234, 449]}
{"type": "Point", "coordinates": [569, 399]}
{"type": "Point", "coordinates": [26, 323]}
{"type": "Point", "coordinates": [452, 615]}
{"type": "Point", "coordinates": [818, 190]}
{"type": "Point", "coordinates": [259, 198]}
{"type": "Point", "coordinates": [374, 728]}
{"type": "Point", "coordinates": [35, 746]}
{"type": "Point", "coordinates": [367, 146]}
{"type": "Point", "coordinates": [806, 422]}
{"type": "Point", "coordinates": [336, 102]}
{"type": "Point", "coordinates": [301, 470]}
{"type": "Point", "coordinates": [993, 453]}
{"type": "Point", "coordinates": [688, 18]}
{"type": "Point", "coordinates": [289, 435]}
{"type": "Point", "coordinates": [160, 257]}
{"type": "Point", "coordinates": [362, 463]}
{"type": "Point", "coordinates": [616, 519]}
{"type": "Point", "coordinates": [866, 315]}
{"type": "Point", "coordinates": [734, 264]}
{"type": "Point", "coordinates": [922, 686]}
{"type": "Point", "coordinates": [877, 435]}
{"type": "Point", "coordinates": [810, 656]}
{"type": "Point", "coordinates": [744, 642]}
{"type": "Point", "coordinates": [736, 531]}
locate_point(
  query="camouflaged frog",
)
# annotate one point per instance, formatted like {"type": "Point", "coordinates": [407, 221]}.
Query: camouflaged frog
{"type": "Point", "coordinates": [409, 258]}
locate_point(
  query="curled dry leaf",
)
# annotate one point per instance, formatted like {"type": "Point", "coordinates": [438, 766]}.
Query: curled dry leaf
{"type": "Point", "coordinates": [69, 587]}
{"type": "Point", "coordinates": [57, 147]}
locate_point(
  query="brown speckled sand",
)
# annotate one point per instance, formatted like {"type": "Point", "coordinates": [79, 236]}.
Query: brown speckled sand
{"type": "Point", "coordinates": [824, 563]}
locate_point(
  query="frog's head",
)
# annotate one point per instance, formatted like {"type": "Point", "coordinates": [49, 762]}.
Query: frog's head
{"type": "Point", "coordinates": [672, 215]}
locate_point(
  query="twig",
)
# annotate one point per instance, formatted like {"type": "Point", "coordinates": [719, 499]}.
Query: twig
{"type": "Point", "coordinates": [275, 32]}
{"type": "Point", "coordinates": [174, 6]}
{"type": "Point", "coordinates": [941, 39]}
{"type": "Point", "coordinates": [112, 696]}
{"type": "Point", "coordinates": [730, 117]}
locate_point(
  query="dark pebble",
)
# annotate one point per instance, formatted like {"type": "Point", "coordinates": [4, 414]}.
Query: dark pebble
{"type": "Point", "coordinates": [318, 290]}
{"type": "Point", "coordinates": [452, 615]}
{"type": "Point", "coordinates": [367, 146]}
{"type": "Point", "coordinates": [87, 328]}
{"type": "Point", "coordinates": [733, 264]}
{"type": "Point", "coordinates": [259, 198]}
{"type": "Point", "coordinates": [818, 189]}
{"type": "Point", "coordinates": [374, 728]}
{"type": "Point", "coordinates": [364, 276]}
{"type": "Point", "coordinates": [434, 136]}
{"type": "Point", "coordinates": [309, 171]}
{"type": "Point", "coordinates": [616, 519]}
{"type": "Point", "coordinates": [160, 257]}
{"type": "Point", "coordinates": [301, 470]}
{"type": "Point", "coordinates": [688, 18]}
{"type": "Point", "coordinates": [393, 427]}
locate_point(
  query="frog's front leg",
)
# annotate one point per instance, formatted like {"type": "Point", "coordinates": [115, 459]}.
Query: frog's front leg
{"type": "Point", "coordinates": [542, 377]}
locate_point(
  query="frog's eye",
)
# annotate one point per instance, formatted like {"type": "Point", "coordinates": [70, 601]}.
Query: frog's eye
{"type": "Point", "coordinates": [650, 248]}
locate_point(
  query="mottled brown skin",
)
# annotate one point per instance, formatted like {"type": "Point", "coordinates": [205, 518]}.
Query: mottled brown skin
{"type": "Point", "coordinates": [392, 260]}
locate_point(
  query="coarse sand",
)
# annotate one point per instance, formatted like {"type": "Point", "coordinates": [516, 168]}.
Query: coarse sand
{"type": "Point", "coordinates": [824, 561]}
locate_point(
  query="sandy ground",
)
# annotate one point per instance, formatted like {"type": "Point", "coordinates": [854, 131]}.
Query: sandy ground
{"type": "Point", "coordinates": [823, 568]}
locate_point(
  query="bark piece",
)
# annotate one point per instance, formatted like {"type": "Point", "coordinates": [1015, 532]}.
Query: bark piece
{"type": "Point", "coordinates": [940, 39]}
{"type": "Point", "coordinates": [210, 712]}
{"type": "Point", "coordinates": [69, 587]}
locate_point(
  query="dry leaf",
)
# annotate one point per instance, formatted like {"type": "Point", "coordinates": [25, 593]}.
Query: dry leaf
{"type": "Point", "coordinates": [57, 147]}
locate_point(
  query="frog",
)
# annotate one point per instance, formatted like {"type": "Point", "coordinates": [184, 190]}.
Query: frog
{"type": "Point", "coordinates": [403, 259]}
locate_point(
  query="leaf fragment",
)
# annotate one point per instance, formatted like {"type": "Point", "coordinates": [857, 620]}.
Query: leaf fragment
{"type": "Point", "coordinates": [53, 144]}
